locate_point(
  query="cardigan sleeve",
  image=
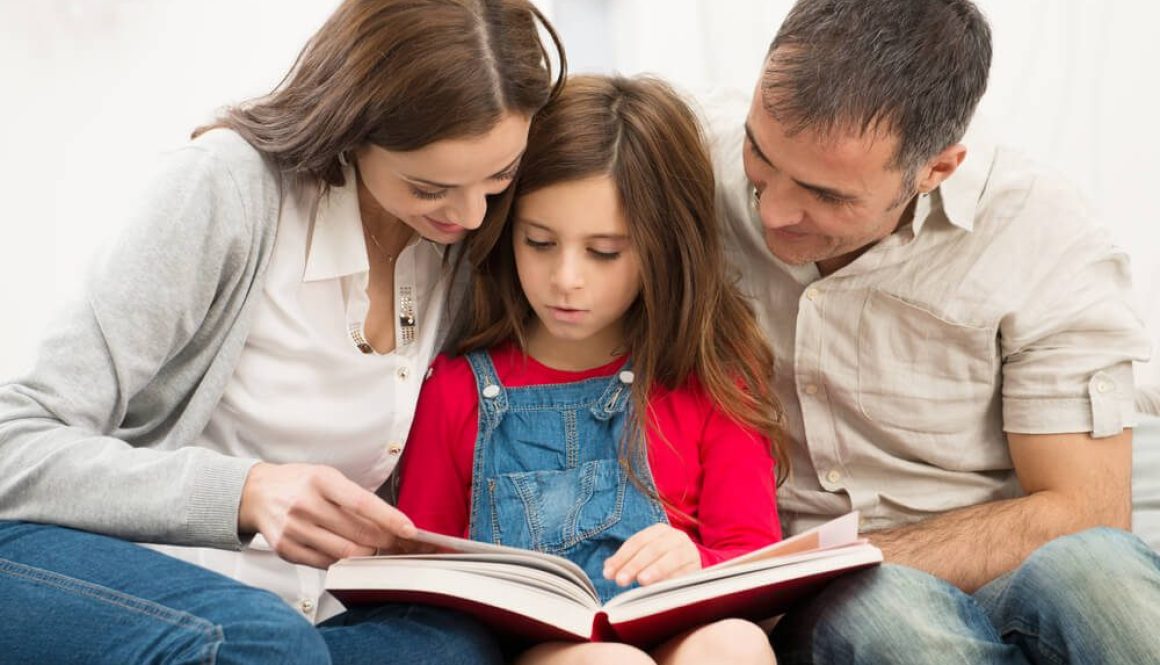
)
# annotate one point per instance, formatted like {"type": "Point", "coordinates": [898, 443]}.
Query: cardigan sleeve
{"type": "Point", "coordinates": [100, 434]}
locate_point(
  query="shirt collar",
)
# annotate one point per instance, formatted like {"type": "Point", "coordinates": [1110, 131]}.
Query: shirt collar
{"type": "Point", "coordinates": [337, 246]}
{"type": "Point", "coordinates": [957, 198]}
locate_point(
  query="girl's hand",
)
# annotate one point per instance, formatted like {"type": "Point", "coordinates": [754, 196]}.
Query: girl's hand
{"type": "Point", "coordinates": [651, 555]}
{"type": "Point", "coordinates": [312, 514]}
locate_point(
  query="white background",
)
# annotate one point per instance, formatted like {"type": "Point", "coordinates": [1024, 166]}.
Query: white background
{"type": "Point", "coordinates": [92, 90]}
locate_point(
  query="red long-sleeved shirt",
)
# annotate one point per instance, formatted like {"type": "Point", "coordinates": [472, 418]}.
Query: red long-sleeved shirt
{"type": "Point", "coordinates": [706, 466]}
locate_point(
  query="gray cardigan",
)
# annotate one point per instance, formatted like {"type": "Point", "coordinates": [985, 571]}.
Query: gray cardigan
{"type": "Point", "coordinates": [101, 435]}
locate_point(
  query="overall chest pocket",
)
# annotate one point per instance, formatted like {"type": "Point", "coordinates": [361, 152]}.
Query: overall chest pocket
{"type": "Point", "coordinates": [920, 372]}
{"type": "Point", "coordinates": [551, 511]}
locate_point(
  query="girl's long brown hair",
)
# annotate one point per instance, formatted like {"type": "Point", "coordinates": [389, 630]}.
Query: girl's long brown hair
{"type": "Point", "coordinates": [689, 320]}
{"type": "Point", "coordinates": [402, 74]}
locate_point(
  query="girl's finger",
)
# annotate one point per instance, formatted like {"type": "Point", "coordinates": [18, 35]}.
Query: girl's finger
{"type": "Point", "coordinates": [674, 562]}
{"type": "Point", "coordinates": [629, 549]}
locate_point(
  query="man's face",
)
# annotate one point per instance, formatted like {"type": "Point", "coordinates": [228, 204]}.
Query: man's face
{"type": "Point", "coordinates": [822, 200]}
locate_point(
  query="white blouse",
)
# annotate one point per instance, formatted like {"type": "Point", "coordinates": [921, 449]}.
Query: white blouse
{"type": "Point", "coordinates": [304, 390]}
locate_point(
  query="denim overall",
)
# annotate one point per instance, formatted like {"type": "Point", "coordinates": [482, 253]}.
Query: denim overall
{"type": "Point", "coordinates": [547, 475]}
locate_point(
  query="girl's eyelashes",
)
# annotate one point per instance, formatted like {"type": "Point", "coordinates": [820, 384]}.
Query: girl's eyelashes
{"type": "Point", "coordinates": [604, 256]}
{"type": "Point", "coordinates": [543, 245]}
{"type": "Point", "coordinates": [537, 244]}
{"type": "Point", "coordinates": [426, 195]}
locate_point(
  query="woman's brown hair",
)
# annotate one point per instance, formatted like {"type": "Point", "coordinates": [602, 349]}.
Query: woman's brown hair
{"type": "Point", "coordinates": [401, 74]}
{"type": "Point", "coordinates": [689, 319]}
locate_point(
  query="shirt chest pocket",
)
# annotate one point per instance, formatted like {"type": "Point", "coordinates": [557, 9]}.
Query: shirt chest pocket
{"type": "Point", "coordinates": [920, 372]}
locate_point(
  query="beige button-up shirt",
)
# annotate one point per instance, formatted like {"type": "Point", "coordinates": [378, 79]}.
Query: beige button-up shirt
{"type": "Point", "coordinates": [1001, 308]}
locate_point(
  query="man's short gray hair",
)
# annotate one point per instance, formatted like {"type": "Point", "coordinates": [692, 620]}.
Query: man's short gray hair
{"type": "Point", "coordinates": [913, 68]}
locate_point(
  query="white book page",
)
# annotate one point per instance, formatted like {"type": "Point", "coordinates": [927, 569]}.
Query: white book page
{"type": "Point", "coordinates": [529, 600]}
{"type": "Point", "coordinates": [547, 562]}
{"type": "Point", "coordinates": [712, 576]}
{"type": "Point", "coordinates": [498, 567]}
{"type": "Point", "coordinates": [839, 531]}
{"type": "Point", "coordinates": [632, 605]}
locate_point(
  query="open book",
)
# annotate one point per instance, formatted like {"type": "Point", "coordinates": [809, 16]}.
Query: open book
{"type": "Point", "coordinates": [545, 597]}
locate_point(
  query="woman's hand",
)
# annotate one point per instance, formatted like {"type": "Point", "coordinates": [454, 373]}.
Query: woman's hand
{"type": "Point", "coordinates": [312, 514]}
{"type": "Point", "coordinates": [651, 555]}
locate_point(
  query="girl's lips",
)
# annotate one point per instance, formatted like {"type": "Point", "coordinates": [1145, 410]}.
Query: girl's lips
{"type": "Point", "coordinates": [566, 315]}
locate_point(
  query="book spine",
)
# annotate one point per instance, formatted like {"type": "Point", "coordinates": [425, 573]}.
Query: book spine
{"type": "Point", "coordinates": [602, 630]}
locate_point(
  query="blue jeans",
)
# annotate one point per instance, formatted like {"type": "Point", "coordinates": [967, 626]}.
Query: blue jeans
{"type": "Point", "coordinates": [74, 597]}
{"type": "Point", "coordinates": [1092, 597]}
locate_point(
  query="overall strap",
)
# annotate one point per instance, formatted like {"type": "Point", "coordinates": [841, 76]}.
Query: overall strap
{"type": "Point", "coordinates": [493, 401]}
{"type": "Point", "coordinates": [615, 397]}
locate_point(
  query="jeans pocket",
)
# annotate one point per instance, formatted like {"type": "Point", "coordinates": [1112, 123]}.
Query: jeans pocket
{"type": "Point", "coordinates": [558, 509]}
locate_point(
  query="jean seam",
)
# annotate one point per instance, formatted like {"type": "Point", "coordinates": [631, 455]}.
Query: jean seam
{"type": "Point", "coordinates": [109, 596]}
{"type": "Point", "coordinates": [1015, 625]}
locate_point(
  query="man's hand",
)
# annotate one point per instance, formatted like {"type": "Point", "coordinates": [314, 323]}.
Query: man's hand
{"type": "Point", "coordinates": [312, 514]}
{"type": "Point", "coordinates": [651, 555]}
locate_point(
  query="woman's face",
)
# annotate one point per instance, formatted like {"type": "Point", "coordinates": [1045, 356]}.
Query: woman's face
{"type": "Point", "coordinates": [441, 189]}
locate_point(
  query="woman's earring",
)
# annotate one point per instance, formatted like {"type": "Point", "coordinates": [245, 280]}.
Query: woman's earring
{"type": "Point", "coordinates": [755, 200]}
{"type": "Point", "coordinates": [342, 159]}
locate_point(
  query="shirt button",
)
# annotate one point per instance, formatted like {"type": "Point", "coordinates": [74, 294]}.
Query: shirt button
{"type": "Point", "coordinates": [833, 475]}
{"type": "Point", "coordinates": [627, 377]}
{"type": "Point", "coordinates": [394, 448]}
{"type": "Point", "coordinates": [402, 373]}
{"type": "Point", "coordinates": [491, 391]}
{"type": "Point", "coordinates": [306, 605]}
{"type": "Point", "coordinates": [812, 294]}
{"type": "Point", "coordinates": [811, 389]}
{"type": "Point", "coordinates": [1104, 386]}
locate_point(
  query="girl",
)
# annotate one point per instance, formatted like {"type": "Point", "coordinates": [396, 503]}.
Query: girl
{"type": "Point", "coordinates": [613, 403]}
{"type": "Point", "coordinates": [222, 384]}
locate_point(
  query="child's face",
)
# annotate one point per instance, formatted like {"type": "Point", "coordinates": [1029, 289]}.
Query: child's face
{"type": "Point", "coordinates": [576, 264]}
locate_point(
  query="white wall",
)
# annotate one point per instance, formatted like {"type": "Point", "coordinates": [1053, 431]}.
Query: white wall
{"type": "Point", "coordinates": [92, 90]}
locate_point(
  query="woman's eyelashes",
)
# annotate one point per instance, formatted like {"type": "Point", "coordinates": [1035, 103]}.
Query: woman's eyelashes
{"type": "Point", "coordinates": [427, 195]}
{"type": "Point", "coordinates": [435, 195]}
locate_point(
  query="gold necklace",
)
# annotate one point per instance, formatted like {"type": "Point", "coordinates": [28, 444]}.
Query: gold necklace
{"type": "Point", "coordinates": [371, 234]}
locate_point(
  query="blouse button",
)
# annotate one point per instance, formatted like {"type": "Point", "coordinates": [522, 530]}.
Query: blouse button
{"type": "Point", "coordinates": [627, 377]}
{"type": "Point", "coordinates": [402, 373]}
{"type": "Point", "coordinates": [306, 605]}
{"type": "Point", "coordinates": [491, 391]}
{"type": "Point", "coordinates": [394, 448]}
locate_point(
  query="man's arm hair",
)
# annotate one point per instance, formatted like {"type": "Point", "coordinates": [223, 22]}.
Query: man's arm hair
{"type": "Point", "coordinates": [1073, 482]}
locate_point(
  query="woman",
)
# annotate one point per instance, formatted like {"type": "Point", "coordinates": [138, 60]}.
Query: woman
{"type": "Point", "coordinates": [245, 361]}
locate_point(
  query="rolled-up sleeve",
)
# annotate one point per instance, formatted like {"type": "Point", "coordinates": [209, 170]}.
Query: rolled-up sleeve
{"type": "Point", "coordinates": [1068, 348]}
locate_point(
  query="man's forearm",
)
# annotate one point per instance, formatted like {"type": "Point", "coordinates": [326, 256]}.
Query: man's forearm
{"type": "Point", "coordinates": [972, 546]}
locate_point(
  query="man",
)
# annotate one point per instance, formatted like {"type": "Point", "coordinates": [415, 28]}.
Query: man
{"type": "Point", "coordinates": [953, 350]}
